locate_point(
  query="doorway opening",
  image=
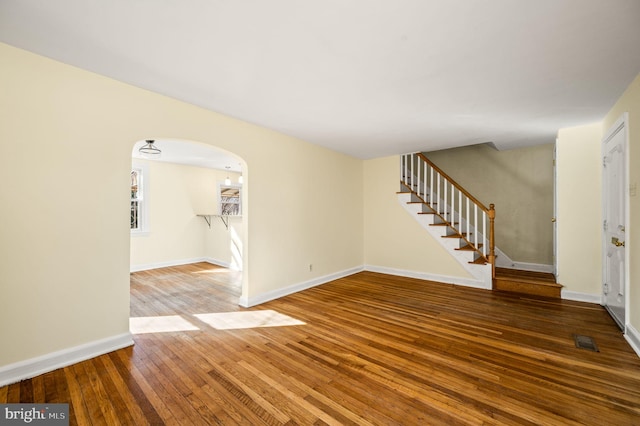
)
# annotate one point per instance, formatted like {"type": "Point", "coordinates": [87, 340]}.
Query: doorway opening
{"type": "Point", "coordinates": [179, 214]}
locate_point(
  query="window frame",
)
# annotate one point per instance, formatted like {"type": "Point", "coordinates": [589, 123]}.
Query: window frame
{"type": "Point", "coordinates": [143, 199]}
{"type": "Point", "coordinates": [221, 186]}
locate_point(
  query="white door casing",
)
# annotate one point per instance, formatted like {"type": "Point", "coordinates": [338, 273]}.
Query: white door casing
{"type": "Point", "coordinates": [614, 214]}
{"type": "Point", "coordinates": [555, 210]}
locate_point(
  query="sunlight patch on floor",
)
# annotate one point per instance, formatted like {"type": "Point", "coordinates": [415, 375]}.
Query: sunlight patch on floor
{"type": "Point", "coordinates": [247, 319]}
{"type": "Point", "coordinates": [160, 324]}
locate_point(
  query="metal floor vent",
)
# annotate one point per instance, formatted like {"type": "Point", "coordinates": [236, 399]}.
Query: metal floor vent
{"type": "Point", "coordinates": [585, 342]}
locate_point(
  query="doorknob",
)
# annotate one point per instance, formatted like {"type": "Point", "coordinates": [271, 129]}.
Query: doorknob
{"type": "Point", "coordinates": [616, 242]}
{"type": "Point", "coordinates": [553, 220]}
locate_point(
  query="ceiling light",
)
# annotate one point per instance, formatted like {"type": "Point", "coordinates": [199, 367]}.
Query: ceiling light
{"type": "Point", "coordinates": [149, 150]}
{"type": "Point", "coordinates": [227, 181]}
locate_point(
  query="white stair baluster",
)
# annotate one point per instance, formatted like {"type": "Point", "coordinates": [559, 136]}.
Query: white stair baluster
{"type": "Point", "coordinates": [418, 176]}
{"type": "Point", "coordinates": [431, 194]}
{"type": "Point", "coordinates": [468, 220]}
{"type": "Point", "coordinates": [413, 172]}
{"type": "Point", "coordinates": [446, 187]}
{"type": "Point", "coordinates": [424, 185]}
{"type": "Point", "coordinates": [475, 224]}
{"type": "Point", "coordinates": [453, 205]}
{"type": "Point", "coordinates": [406, 170]}
{"type": "Point", "coordinates": [438, 190]}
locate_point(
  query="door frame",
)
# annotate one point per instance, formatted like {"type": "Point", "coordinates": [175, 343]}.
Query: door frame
{"type": "Point", "coordinates": [554, 221]}
{"type": "Point", "coordinates": [620, 125]}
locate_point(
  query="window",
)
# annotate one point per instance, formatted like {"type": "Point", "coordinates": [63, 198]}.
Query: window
{"type": "Point", "coordinates": [139, 201]}
{"type": "Point", "coordinates": [136, 199]}
{"type": "Point", "coordinates": [230, 200]}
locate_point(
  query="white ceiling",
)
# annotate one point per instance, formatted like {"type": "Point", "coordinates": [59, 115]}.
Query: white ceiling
{"type": "Point", "coordinates": [191, 153]}
{"type": "Point", "coordinates": [367, 78]}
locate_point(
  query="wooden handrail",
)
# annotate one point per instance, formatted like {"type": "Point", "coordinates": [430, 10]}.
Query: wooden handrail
{"type": "Point", "coordinates": [454, 183]}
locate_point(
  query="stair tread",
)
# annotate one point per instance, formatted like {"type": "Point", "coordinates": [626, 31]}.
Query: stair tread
{"type": "Point", "coordinates": [522, 275]}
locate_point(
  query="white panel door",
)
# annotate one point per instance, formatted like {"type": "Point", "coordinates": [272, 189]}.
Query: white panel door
{"type": "Point", "coordinates": [614, 208]}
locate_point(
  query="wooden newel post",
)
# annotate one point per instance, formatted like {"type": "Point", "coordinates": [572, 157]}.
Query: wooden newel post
{"type": "Point", "coordinates": [492, 239]}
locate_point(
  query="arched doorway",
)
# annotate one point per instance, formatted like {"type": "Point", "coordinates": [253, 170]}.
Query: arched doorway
{"type": "Point", "coordinates": [180, 206]}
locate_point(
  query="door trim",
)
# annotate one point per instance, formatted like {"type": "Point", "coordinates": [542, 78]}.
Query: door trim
{"type": "Point", "coordinates": [620, 125]}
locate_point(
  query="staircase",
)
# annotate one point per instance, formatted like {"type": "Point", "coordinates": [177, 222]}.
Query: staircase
{"type": "Point", "coordinates": [464, 226]}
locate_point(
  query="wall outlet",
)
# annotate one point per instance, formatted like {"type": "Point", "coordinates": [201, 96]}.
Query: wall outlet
{"type": "Point", "coordinates": [310, 267]}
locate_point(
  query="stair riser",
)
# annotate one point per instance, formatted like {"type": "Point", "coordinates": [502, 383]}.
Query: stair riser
{"type": "Point", "coordinates": [514, 286]}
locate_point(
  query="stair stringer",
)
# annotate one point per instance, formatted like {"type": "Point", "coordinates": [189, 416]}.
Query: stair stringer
{"type": "Point", "coordinates": [482, 274]}
{"type": "Point", "coordinates": [462, 227]}
{"type": "Point", "coordinates": [502, 259]}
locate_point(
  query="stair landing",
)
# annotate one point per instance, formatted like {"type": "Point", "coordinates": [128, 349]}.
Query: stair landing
{"type": "Point", "coordinates": [527, 282]}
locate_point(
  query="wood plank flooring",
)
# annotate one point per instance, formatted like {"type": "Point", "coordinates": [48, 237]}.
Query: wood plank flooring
{"type": "Point", "coordinates": [373, 349]}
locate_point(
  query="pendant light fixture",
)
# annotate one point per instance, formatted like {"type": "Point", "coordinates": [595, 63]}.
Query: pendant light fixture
{"type": "Point", "coordinates": [227, 181]}
{"type": "Point", "coordinates": [149, 150]}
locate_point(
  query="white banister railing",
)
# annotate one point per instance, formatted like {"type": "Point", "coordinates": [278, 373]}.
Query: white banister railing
{"type": "Point", "coordinates": [467, 217]}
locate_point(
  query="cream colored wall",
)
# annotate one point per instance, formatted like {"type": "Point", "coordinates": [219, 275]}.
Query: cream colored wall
{"type": "Point", "coordinates": [223, 246]}
{"type": "Point", "coordinates": [630, 102]}
{"type": "Point", "coordinates": [65, 155]}
{"type": "Point", "coordinates": [223, 243]}
{"type": "Point", "coordinates": [176, 194]}
{"type": "Point", "coordinates": [520, 183]}
{"type": "Point", "coordinates": [392, 238]}
{"type": "Point", "coordinates": [579, 210]}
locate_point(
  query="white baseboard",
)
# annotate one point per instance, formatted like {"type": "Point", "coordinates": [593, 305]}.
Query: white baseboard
{"type": "Point", "coordinates": [216, 262]}
{"type": "Point", "coordinates": [167, 264]}
{"type": "Point", "coordinates": [633, 337]}
{"type": "Point", "coordinates": [276, 294]}
{"type": "Point", "coordinates": [581, 297]}
{"type": "Point", "coordinates": [33, 367]}
{"type": "Point", "coordinates": [535, 267]}
{"type": "Point", "coordinates": [248, 302]}
{"type": "Point", "coordinates": [466, 282]}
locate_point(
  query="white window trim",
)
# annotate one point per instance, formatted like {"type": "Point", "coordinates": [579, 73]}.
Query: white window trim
{"type": "Point", "coordinates": [231, 185]}
{"type": "Point", "coordinates": [144, 229]}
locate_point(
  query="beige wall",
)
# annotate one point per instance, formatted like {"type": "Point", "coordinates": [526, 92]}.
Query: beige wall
{"type": "Point", "coordinates": [520, 183]}
{"type": "Point", "coordinates": [65, 155]}
{"type": "Point", "coordinates": [392, 238]}
{"type": "Point", "coordinates": [223, 245]}
{"type": "Point", "coordinates": [579, 211]}
{"type": "Point", "coordinates": [630, 102]}
{"type": "Point", "coordinates": [176, 193]}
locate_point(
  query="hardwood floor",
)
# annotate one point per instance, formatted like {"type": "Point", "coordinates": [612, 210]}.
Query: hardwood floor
{"type": "Point", "coordinates": [371, 349]}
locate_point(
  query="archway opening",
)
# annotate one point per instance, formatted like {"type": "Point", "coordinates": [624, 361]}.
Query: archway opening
{"type": "Point", "coordinates": [188, 205]}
